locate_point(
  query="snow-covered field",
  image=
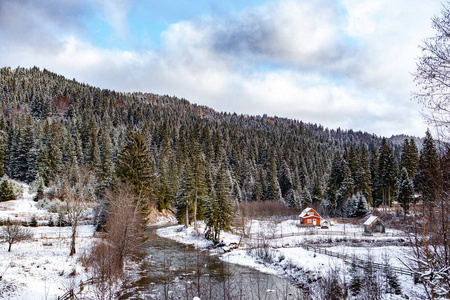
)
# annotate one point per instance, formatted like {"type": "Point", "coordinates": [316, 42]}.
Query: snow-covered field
{"type": "Point", "coordinates": [288, 258]}
{"type": "Point", "coordinates": [40, 268]}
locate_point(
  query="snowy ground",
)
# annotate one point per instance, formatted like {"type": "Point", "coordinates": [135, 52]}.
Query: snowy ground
{"type": "Point", "coordinates": [288, 258]}
{"type": "Point", "coordinates": [40, 268]}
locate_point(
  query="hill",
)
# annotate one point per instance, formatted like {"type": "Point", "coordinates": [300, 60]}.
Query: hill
{"type": "Point", "coordinates": [48, 121]}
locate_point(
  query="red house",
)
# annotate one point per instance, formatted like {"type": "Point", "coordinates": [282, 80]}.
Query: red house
{"type": "Point", "coordinates": [309, 217]}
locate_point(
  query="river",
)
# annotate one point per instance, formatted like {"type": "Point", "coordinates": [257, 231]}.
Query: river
{"type": "Point", "coordinates": [171, 270]}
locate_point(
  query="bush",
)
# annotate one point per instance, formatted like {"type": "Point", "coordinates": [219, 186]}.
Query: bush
{"type": "Point", "coordinates": [50, 222]}
{"type": "Point", "coordinates": [7, 191]}
{"type": "Point", "coordinates": [33, 222]}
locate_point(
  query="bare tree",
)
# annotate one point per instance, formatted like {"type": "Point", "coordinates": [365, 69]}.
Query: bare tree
{"type": "Point", "coordinates": [76, 187]}
{"type": "Point", "coordinates": [433, 74]}
{"type": "Point", "coordinates": [13, 233]}
{"type": "Point", "coordinates": [430, 232]}
{"type": "Point", "coordinates": [106, 270]}
{"type": "Point", "coordinates": [125, 221]}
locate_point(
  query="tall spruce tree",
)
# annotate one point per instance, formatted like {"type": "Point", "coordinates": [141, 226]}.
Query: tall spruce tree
{"type": "Point", "coordinates": [405, 190]}
{"type": "Point", "coordinates": [134, 167]}
{"type": "Point", "coordinates": [428, 179]}
{"type": "Point", "coordinates": [386, 176]}
{"type": "Point", "coordinates": [409, 157]}
{"type": "Point", "coordinates": [273, 190]}
{"type": "Point", "coordinates": [219, 212]}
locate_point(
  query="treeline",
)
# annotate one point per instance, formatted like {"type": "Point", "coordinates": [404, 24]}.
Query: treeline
{"type": "Point", "coordinates": [192, 153]}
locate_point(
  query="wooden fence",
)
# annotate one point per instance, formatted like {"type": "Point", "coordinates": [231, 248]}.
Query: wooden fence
{"type": "Point", "coordinates": [256, 236]}
{"type": "Point", "coordinates": [361, 263]}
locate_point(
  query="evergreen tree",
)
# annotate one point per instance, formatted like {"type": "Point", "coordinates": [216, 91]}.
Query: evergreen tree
{"type": "Point", "coordinates": [356, 279]}
{"type": "Point", "coordinates": [6, 191]}
{"type": "Point", "coordinates": [93, 155]}
{"type": "Point", "coordinates": [219, 212]}
{"type": "Point", "coordinates": [335, 179]}
{"type": "Point", "coordinates": [106, 167]}
{"type": "Point", "coordinates": [405, 190]}
{"type": "Point", "coordinates": [33, 222]}
{"type": "Point", "coordinates": [24, 160]}
{"type": "Point", "coordinates": [273, 190]}
{"type": "Point", "coordinates": [1, 160]}
{"type": "Point", "coordinates": [306, 199]}
{"type": "Point", "coordinates": [386, 176]}
{"type": "Point", "coordinates": [409, 157]}
{"type": "Point", "coordinates": [134, 166]}
{"type": "Point", "coordinates": [428, 180]}
{"type": "Point", "coordinates": [50, 222]}
{"type": "Point", "coordinates": [184, 200]}
{"type": "Point", "coordinates": [346, 190]}
{"type": "Point", "coordinates": [285, 179]}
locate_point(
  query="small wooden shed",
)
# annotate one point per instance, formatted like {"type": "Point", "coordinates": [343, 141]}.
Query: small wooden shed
{"type": "Point", "coordinates": [309, 217]}
{"type": "Point", "coordinates": [374, 224]}
{"type": "Point", "coordinates": [325, 224]}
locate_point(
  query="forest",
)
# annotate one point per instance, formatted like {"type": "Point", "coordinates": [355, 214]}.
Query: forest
{"type": "Point", "coordinates": [196, 161]}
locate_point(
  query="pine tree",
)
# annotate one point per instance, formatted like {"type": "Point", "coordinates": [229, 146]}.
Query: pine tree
{"type": "Point", "coordinates": [428, 180]}
{"type": "Point", "coordinates": [33, 222]}
{"type": "Point", "coordinates": [405, 190]}
{"type": "Point", "coordinates": [386, 176]}
{"type": "Point", "coordinates": [134, 167]}
{"type": "Point", "coordinates": [409, 157]}
{"type": "Point", "coordinates": [184, 202]}
{"type": "Point", "coordinates": [106, 167]}
{"type": "Point", "coordinates": [355, 277]}
{"type": "Point", "coordinates": [273, 190]}
{"type": "Point", "coordinates": [285, 179]}
{"type": "Point", "coordinates": [50, 222]}
{"type": "Point", "coordinates": [6, 191]}
{"type": "Point", "coordinates": [346, 190]}
{"type": "Point", "coordinates": [334, 180]}
{"type": "Point", "coordinates": [219, 211]}
{"type": "Point", "coordinates": [1, 160]}
{"type": "Point", "coordinates": [93, 154]}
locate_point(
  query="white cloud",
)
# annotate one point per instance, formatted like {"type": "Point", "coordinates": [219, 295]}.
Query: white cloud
{"type": "Point", "coordinates": [114, 12]}
{"type": "Point", "coordinates": [342, 67]}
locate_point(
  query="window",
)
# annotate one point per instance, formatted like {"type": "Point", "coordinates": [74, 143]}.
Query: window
{"type": "Point", "coordinates": [311, 213]}
{"type": "Point", "coordinates": [309, 221]}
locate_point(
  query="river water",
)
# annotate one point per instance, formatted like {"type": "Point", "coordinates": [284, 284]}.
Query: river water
{"type": "Point", "coordinates": [171, 270]}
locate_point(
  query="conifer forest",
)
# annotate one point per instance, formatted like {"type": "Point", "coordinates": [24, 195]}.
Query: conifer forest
{"type": "Point", "coordinates": [180, 152]}
{"type": "Point", "coordinates": [131, 154]}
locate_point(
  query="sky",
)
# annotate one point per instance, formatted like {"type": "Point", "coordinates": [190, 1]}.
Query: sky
{"type": "Point", "coordinates": [339, 63]}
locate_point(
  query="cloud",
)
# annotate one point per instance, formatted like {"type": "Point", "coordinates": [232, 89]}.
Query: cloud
{"type": "Point", "coordinates": [339, 65]}
{"type": "Point", "coordinates": [114, 12]}
{"type": "Point", "coordinates": [303, 34]}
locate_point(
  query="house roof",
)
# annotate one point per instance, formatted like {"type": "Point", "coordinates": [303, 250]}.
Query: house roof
{"type": "Point", "coordinates": [305, 211]}
{"type": "Point", "coordinates": [371, 220]}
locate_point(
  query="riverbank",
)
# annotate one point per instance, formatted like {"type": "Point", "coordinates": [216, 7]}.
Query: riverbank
{"type": "Point", "coordinates": [285, 256]}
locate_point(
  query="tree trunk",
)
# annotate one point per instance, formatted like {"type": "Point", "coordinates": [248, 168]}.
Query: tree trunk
{"type": "Point", "coordinates": [186, 217]}
{"type": "Point", "coordinates": [195, 212]}
{"type": "Point", "coordinates": [9, 247]}
{"type": "Point", "coordinates": [72, 244]}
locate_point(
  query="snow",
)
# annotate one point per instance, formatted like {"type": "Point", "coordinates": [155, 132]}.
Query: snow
{"type": "Point", "coordinates": [370, 220]}
{"type": "Point", "coordinates": [287, 256]}
{"type": "Point", "coordinates": [304, 212]}
{"type": "Point", "coordinates": [40, 268]}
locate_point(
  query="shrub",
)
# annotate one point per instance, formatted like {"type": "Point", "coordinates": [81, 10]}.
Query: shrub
{"type": "Point", "coordinates": [33, 222]}
{"type": "Point", "coordinates": [7, 191]}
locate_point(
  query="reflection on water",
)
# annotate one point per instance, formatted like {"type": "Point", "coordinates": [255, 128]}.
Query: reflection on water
{"type": "Point", "coordinates": [176, 271]}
